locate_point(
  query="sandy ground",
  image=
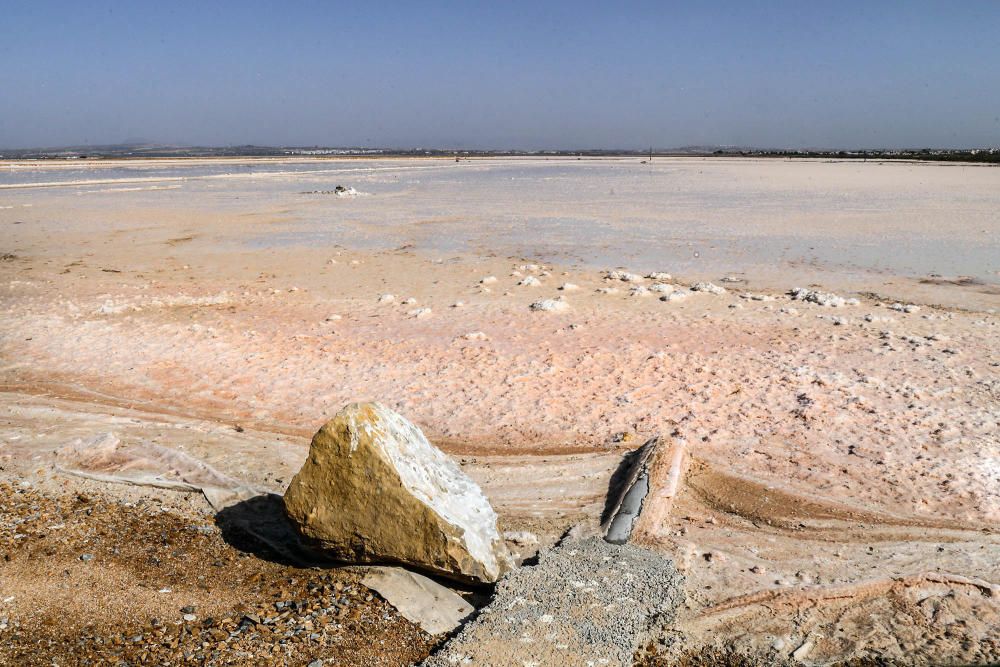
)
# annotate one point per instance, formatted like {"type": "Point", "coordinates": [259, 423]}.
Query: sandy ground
{"type": "Point", "coordinates": [844, 493]}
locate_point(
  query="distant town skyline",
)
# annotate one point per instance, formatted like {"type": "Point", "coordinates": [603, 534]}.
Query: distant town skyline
{"type": "Point", "coordinates": [527, 76]}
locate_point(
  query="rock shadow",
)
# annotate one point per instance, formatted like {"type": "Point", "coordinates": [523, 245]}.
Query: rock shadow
{"type": "Point", "coordinates": [259, 526]}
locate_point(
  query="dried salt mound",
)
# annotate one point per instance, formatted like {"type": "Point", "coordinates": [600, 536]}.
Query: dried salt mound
{"type": "Point", "coordinates": [387, 298]}
{"type": "Point", "coordinates": [821, 298]}
{"type": "Point", "coordinates": [662, 288]}
{"type": "Point", "coordinates": [475, 335]}
{"type": "Point", "coordinates": [530, 281]}
{"type": "Point", "coordinates": [110, 307]}
{"type": "Point", "coordinates": [528, 267]}
{"type": "Point", "coordinates": [550, 305]}
{"type": "Point", "coordinates": [639, 290]}
{"type": "Point", "coordinates": [678, 295]}
{"type": "Point", "coordinates": [569, 287]}
{"type": "Point", "coordinates": [659, 276]}
{"type": "Point", "coordinates": [409, 302]}
{"type": "Point", "coordinates": [905, 308]}
{"type": "Point", "coordinates": [488, 280]}
{"type": "Point", "coordinates": [105, 458]}
{"type": "Point", "coordinates": [623, 276]}
{"type": "Point", "coordinates": [373, 489]}
{"type": "Point", "coordinates": [332, 318]}
{"type": "Point", "coordinates": [420, 313]}
{"type": "Point", "coordinates": [708, 287]}
{"type": "Point", "coordinates": [757, 297]}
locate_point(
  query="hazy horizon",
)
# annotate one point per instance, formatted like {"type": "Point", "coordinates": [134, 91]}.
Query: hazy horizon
{"type": "Point", "coordinates": [541, 76]}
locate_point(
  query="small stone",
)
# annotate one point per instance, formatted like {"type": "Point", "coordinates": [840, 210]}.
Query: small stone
{"type": "Point", "coordinates": [86, 558]}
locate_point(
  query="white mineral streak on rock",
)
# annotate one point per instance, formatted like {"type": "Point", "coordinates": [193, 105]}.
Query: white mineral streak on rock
{"type": "Point", "coordinates": [335, 499]}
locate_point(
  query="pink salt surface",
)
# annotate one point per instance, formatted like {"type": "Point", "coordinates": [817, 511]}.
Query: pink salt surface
{"type": "Point", "coordinates": [155, 310]}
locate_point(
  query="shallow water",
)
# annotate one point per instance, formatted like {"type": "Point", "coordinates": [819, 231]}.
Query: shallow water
{"type": "Point", "coordinates": [698, 216]}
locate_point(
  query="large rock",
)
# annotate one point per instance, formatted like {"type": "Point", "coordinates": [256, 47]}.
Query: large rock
{"type": "Point", "coordinates": [374, 490]}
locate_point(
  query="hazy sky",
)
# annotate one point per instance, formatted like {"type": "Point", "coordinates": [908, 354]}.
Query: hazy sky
{"type": "Point", "coordinates": [533, 74]}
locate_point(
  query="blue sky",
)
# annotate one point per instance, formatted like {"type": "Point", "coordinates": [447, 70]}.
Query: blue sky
{"type": "Point", "coordinates": [504, 75]}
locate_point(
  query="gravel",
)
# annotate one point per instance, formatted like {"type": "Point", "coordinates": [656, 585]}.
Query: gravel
{"type": "Point", "coordinates": [585, 602]}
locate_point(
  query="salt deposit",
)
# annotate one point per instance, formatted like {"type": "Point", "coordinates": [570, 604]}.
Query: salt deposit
{"type": "Point", "coordinates": [708, 288]}
{"type": "Point", "coordinates": [659, 276]}
{"type": "Point", "coordinates": [821, 298]}
{"type": "Point", "coordinates": [678, 295]}
{"type": "Point", "coordinates": [530, 281]}
{"type": "Point", "coordinates": [623, 276]}
{"type": "Point", "coordinates": [387, 298]}
{"type": "Point", "coordinates": [550, 305]}
{"type": "Point", "coordinates": [662, 288]}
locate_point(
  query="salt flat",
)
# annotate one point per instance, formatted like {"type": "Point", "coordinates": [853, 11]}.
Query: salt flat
{"type": "Point", "coordinates": [839, 453]}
